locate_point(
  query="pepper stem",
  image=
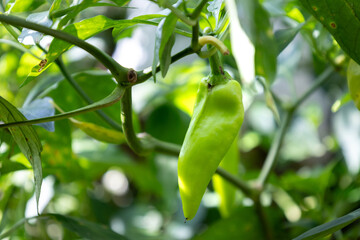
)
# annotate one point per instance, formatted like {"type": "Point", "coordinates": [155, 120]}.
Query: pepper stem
{"type": "Point", "coordinates": [215, 42]}
{"type": "Point", "coordinates": [216, 64]}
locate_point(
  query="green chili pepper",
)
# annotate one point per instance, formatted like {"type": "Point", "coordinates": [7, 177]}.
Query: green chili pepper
{"type": "Point", "coordinates": [353, 78]}
{"type": "Point", "coordinates": [216, 121]}
{"type": "Point", "coordinates": [224, 189]}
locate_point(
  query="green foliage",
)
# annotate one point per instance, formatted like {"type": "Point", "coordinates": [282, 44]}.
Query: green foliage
{"type": "Point", "coordinates": [27, 140]}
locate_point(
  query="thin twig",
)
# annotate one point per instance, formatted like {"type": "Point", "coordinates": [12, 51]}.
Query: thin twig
{"type": "Point", "coordinates": [264, 222]}
{"type": "Point", "coordinates": [243, 186]}
{"type": "Point", "coordinates": [142, 77]}
{"type": "Point", "coordinates": [274, 150]}
{"type": "Point", "coordinates": [318, 82]}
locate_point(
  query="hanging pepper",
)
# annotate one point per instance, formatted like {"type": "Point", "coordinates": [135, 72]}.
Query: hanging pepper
{"type": "Point", "coordinates": [216, 121]}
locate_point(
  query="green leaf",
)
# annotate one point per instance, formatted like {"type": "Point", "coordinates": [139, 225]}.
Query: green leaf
{"type": "Point", "coordinates": [341, 18]}
{"type": "Point", "coordinates": [27, 140]}
{"type": "Point", "coordinates": [10, 166]}
{"type": "Point", "coordinates": [120, 3]}
{"type": "Point", "coordinates": [86, 229]}
{"type": "Point", "coordinates": [165, 57]}
{"type": "Point", "coordinates": [55, 6]}
{"type": "Point", "coordinates": [255, 21]}
{"type": "Point", "coordinates": [23, 5]}
{"type": "Point", "coordinates": [284, 36]}
{"type": "Point", "coordinates": [243, 224]}
{"type": "Point", "coordinates": [126, 23]}
{"type": "Point", "coordinates": [157, 48]}
{"type": "Point", "coordinates": [164, 32]}
{"type": "Point", "coordinates": [330, 227]}
{"type": "Point", "coordinates": [100, 133]}
{"type": "Point", "coordinates": [75, 10]}
{"type": "Point", "coordinates": [215, 8]}
{"type": "Point", "coordinates": [265, 45]}
{"type": "Point", "coordinates": [83, 30]}
{"type": "Point", "coordinates": [89, 82]}
{"type": "Point", "coordinates": [269, 99]}
{"type": "Point", "coordinates": [167, 123]}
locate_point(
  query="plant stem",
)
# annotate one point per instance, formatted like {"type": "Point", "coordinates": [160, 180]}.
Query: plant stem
{"type": "Point", "coordinates": [195, 38]}
{"type": "Point", "coordinates": [161, 146]}
{"type": "Point", "coordinates": [114, 97]}
{"type": "Point", "coordinates": [197, 11]}
{"type": "Point", "coordinates": [318, 82]}
{"type": "Point", "coordinates": [118, 71]}
{"type": "Point", "coordinates": [216, 65]}
{"type": "Point", "coordinates": [264, 222]}
{"type": "Point", "coordinates": [243, 186]}
{"type": "Point", "coordinates": [274, 150]}
{"type": "Point", "coordinates": [142, 77]}
{"type": "Point", "coordinates": [127, 124]}
{"type": "Point", "coordinates": [81, 92]}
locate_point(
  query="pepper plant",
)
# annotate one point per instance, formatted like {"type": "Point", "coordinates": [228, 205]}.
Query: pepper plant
{"type": "Point", "coordinates": [93, 121]}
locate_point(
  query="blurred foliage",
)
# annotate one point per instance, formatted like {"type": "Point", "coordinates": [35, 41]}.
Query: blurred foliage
{"type": "Point", "coordinates": [108, 189]}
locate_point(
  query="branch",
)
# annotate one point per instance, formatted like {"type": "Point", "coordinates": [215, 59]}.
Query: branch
{"type": "Point", "coordinates": [160, 146]}
{"type": "Point", "coordinates": [127, 124]}
{"type": "Point", "coordinates": [264, 222]}
{"type": "Point", "coordinates": [146, 74]}
{"type": "Point", "coordinates": [114, 97]}
{"type": "Point", "coordinates": [274, 150]}
{"type": "Point", "coordinates": [195, 38]}
{"type": "Point", "coordinates": [118, 71]}
{"type": "Point", "coordinates": [244, 187]}
{"type": "Point", "coordinates": [318, 82]}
